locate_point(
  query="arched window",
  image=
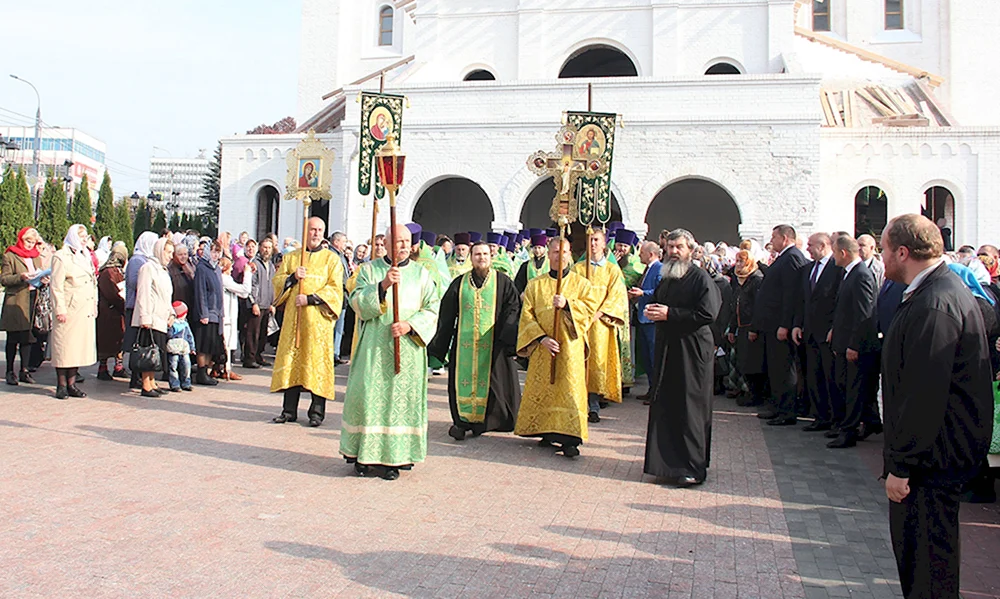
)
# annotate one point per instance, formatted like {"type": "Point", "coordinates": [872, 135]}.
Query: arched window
{"type": "Point", "coordinates": [385, 26]}
{"type": "Point", "coordinates": [722, 68]}
{"type": "Point", "coordinates": [821, 15]}
{"type": "Point", "coordinates": [480, 75]}
{"type": "Point", "coordinates": [893, 14]}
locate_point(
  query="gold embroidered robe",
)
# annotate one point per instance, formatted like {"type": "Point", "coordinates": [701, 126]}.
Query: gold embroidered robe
{"type": "Point", "coordinates": [604, 364]}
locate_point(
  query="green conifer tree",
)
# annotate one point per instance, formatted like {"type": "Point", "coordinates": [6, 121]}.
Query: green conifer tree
{"type": "Point", "coordinates": [175, 222]}
{"type": "Point", "coordinates": [210, 194]}
{"type": "Point", "coordinates": [104, 217]}
{"type": "Point", "coordinates": [80, 210]}
{"type": "Point", "coordinates": [141, 222]}
{"type": "Point", "coordinates": [123, 224]}
{"type": "Point", "coordinates": [16, 211]}
{"type": "Point", "coordinates": [159, 221]}
{"type": "Point", "coordinates": [52, 220]}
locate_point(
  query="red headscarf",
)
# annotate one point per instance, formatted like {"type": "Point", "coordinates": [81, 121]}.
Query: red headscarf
{"type": "Point", "coordinates": [19, 249]}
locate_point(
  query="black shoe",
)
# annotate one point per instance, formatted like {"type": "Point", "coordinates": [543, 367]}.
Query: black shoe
{"type": "Point", "coordinates": [251, 365]}
{"type": "Point", "coordinates": [867, 430]}
{"type": "Point", "coordinates": [817, 426]}
{"type": "Point", "coordinates": [121, 373]}
{"type": "Point", "coordinates": [782, 421]}
{"type": "Point", "coordinates": [61, 393]}
{"type": "Point", "coordinates": [283, 419]}
{"type": "Point", "coordinates": [767, 415]}
{"type": "Point", "coordinates": [593, 417]}
{"type": "Point", "coordinates": [150, 393]}
{"type": "Point", "coordinates": [643, 397]}
{"type": "Point", "coordinates": [12, 378]}
{"type": "Point", "coordinates": [843, 440]}
{"type": "Point", "coordinates": [362, 470]}
{"type": "Point", "coordinates": [626, 391]}
{"type": "Point", "coordinates": [134, 385]}
{"type": "Point", "coordinates": [161, 390]}
{"type": "Point", "coordinates": [104, 375]}
{"type": "Point", "coordinates": [687, 481]}
{"type": "Point", "coordinates": [745, 401]}
{"type": "Point", "coordinates": [175, 389]}
{"type": "Point", "coordinates": [456, 433]}
{"type": "Point", "coordinates": [545, 443]}
{"type": "Point", "coordinates": [833, 433]}
{"type": "Point", "coordinates": [26, 377]}
{"type": "Point", "coordinates": [390, 473]}
{"type": "Point", "coordinates": [314, 422]}
{"type": "Point", "coordinates": [188, 388]}
{"type": "Point", "coordinates": [204, 379]}
{"type": "Point", "coordinates": [602, 404]}
{"type": "Point", "coordinates": [570, 451]}
{"type": "Point", "coordinates": [80, 378]}
{"type": "Point", "coordinates": [74, 391]}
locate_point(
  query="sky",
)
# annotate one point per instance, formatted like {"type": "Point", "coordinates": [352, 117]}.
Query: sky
{"type": "Point", "coordinates": [135, 74]}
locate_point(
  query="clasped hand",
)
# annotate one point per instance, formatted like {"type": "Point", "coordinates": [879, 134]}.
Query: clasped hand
{"type": "Point", "coordinates": [558, 302]}
{"type": "Point", "coordinates": [400, 329]}
{"type": "Point", "coordinates": [300, 273]}
{"type": "Point", "coordinates": [550, 344]}
{"type": "Point", "coordinates": [393, 277]}
{"type": "Point", "coordinates": [656, 312]}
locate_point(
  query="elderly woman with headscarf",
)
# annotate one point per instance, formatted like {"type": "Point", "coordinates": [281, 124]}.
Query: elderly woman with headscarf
{"type": "Point", "coordinates": [745, 280]}
{"type": "Point", "coordinates": [154, 311]}
{"type": "Point", "coordinates": [208, 316]}
{"type": "Point", "coordinates": [21, 262]}
{"type": "Point", "coordinates": [103, 251]}
{"type": "Point", "coordinates": [181, 271]}
{"type": "Point", "coordinates": [74, 302]}
{"type": "Point", "coordinates": [111, 312]}
{"type": "Point", "coordinates": [143, 251]}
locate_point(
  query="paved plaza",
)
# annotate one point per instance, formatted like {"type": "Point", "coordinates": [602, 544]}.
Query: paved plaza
{"type": "Point", "coordinates": [199, 495]}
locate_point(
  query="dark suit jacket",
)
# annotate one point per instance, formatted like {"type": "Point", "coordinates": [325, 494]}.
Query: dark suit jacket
{"type": "Point", "coordinates": [889, 298]}
{"type": "Point", "coordinates": [814, 313]}
{"type": "Point", "coordinates": [854, 324]}
{"type": "Point", "coordinates": [776, 298]}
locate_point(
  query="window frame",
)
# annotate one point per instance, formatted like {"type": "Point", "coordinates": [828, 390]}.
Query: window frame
{"type": "Point", "coordinates": [886, 14]}
{"type": "Point", "coordinates": [826, 6]}
{"type": "Point", "coordinates": [386, 12]}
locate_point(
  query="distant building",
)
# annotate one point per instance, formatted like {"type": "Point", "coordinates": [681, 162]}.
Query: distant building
{"type": "Point", "coordinates": [59, 144]}
{"type": "Point", "coordinates": [178, 181]}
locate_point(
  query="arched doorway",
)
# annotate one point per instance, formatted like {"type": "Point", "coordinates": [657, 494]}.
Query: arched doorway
{"type": "Point", "coordinates": [699, 206]}
{"type": "Point", "coordinates": [268, 205]}
{"type": "Point", "coordinates": [480, 75]}
{"type": "Point", "coordinates": [939, 206]}
{"type": "Point", "coordinates": [871, 212]}
{"type": "Point", "coordinates": [535, 211]}
{"type": "Point", "coordinates": [722, 68]}
{"type": "Point", "coordinates": [452, 205]}
{"type": "Point", "coordinates": [598, 61]}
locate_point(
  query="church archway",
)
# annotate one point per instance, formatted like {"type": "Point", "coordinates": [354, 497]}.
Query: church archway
{"type": "Point", "coordinates": [268, 206]}
{"type": "Point", "coordinates": [700, 206]}
{"type": "Point", "coordinates": [871, 211]}
{"type": "Point", "coordinates": [480, 75]}
{"type": "Point", "coordinates": [454, 204]}
{"type": "Point", "coordinates": [598, 60]}
{"type": "Point", "coordinates": [939, 206]}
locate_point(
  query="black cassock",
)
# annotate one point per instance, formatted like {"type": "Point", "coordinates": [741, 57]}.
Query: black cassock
{"type": "Point", "coordinates": [679, 437]}
{"type": "Point", "coordinates": [505, 390]}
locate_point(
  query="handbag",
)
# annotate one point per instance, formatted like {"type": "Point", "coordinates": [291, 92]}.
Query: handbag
{"type": "Point", "coordinates": [145, 356]}
{"type": "Point", "coordinates": [42, 316]}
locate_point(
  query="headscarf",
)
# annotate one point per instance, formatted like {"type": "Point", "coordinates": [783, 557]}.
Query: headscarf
{"type": "Point", "coordinates": [19, 249]}
{"type": "Point", "coordinates": [991, 265]}
{"type": "Point", "coordinates": [159, 251]}
{"type": "Point", "coordinates": [117, 256]}
{"type": "Point", "coordinates": [81, 253]}
{"type": "Point", "coordinates": [749, 265]}
{"type": "Point", "coordinates": [965, 273]}
{"type": "Point", "coordinates": [145, 244]}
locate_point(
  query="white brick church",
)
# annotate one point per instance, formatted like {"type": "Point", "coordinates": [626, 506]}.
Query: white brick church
{"type": "Point", "coordinates": [736, 114]}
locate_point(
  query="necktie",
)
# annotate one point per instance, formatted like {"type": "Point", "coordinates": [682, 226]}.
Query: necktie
{"type": "Point", "coordinates": [814, 276]}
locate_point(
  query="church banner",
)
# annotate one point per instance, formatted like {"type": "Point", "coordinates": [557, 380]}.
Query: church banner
{"type": "Point", "coordinates": [595, 138]}
{"type": "Point", "coordinates": [381, 114]}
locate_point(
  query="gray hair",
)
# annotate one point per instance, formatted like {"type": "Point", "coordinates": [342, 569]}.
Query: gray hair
{"type": "Point", "coordinates": [682, 234]}
{"type": "Point", "coordinates": [337, 236]}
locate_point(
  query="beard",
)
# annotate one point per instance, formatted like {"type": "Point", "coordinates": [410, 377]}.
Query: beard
{"type": "Point", "coordinates": [675, 269]}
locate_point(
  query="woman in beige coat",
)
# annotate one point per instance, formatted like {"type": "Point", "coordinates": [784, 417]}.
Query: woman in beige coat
{"type": "Point", "coordinates": [153, 306]}
{"type": "Point", "coordinates": [74, 303]}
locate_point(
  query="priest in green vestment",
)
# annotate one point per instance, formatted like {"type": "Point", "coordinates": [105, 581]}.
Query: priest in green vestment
{"type": "Point", "coordinates": [385, 414]}
{"type": "Point", "coordinates": [458, 262]}
{"type": "Point", "coordinates": [477, 331]}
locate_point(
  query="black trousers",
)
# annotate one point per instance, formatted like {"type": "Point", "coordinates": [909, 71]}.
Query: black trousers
{"type": "Point", "coordinates": [857, 388]}
{"type": "Point", "coordinates": [782, 375]}
{"type": "Point", "coordinates": [290, 406]}
{"type": "Point", "coordinates": [819, 379]}
{"type": "Point", "coordinates": [255, 337]}
{"type": "Point", "coordinates": [924, 530]}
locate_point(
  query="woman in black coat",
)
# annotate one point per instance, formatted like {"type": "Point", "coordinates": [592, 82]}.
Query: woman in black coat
{"type": "Point", "coordinates": [746, 280]}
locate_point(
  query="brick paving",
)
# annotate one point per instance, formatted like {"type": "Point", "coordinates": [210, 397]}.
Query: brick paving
{"type": "Point", "coordinates": [198, 495]}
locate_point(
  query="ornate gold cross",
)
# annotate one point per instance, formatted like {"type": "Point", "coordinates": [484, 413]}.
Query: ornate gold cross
{"type": "Point", "coordinates": [566, 166]}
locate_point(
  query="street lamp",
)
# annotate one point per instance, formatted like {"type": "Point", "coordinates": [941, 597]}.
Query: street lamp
{"type": "Point", "coordinates": [38, 140]}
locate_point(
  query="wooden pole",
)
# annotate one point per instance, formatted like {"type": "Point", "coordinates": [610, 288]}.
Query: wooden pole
{"type": "Point", "coordinates": [395, 263]}
{"type": "Point", "coordinates": [371, 248]}
{"type": "Point", "coordinates": [381, 82]}
{"type": "Point", "coordinates": [590, 97]}
{"type": "Point", "coordinates": [558, 315]}
{"type": "Point", "coordinates": [302, 262]}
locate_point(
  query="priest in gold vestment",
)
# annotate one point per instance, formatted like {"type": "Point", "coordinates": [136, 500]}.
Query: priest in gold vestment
{"type": "Point", "coordinates": [556, 413]}
{"type": "Point", "coordinates": [604, 364]}
{"type": "Point", "coordinates": [314, 296]}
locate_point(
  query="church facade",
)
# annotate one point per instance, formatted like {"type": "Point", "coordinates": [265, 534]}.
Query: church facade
{"type": "Point", "coordinates": [735, 115]}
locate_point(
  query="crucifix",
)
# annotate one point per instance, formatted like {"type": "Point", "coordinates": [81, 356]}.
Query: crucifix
{"type": "Point", "coordinates": [566, 167]}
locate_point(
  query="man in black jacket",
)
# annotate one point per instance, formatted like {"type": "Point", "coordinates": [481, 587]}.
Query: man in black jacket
{"type": "Point", "coordinates": [773, 317]}
{"type": "Point", "coordinates": [813, 320]}
{"type": "Point", "coordinates": [938, 406]}
{"type": "Point", "coordinates": [854, 340]}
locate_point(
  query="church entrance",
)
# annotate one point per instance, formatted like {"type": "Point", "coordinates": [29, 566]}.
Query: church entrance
{"type": "Point", "coordinates": [267, 211]}
{"type": "Point", "coordinates": [535, 211]}
{"type": "Point", "coordinates": [699, 206]}
{"type": "Point", "coordinates": [598, 61]}
{"type": "Point", "coordinates": [452, 205]}
{"type": "Point", "coordinates": [871, 212]}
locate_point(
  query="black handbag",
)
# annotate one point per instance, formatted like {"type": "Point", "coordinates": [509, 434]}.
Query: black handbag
{"type": "Point", "coordinates": [145, 356]}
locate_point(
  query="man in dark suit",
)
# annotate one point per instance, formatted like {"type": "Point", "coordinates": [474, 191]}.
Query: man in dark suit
{"type": "Point", "coordinates": [854, 340]}
{"type": "Point", "coordinates": [813, 320]}
{"type": "Point", "coordinates": [773, 317]}
{"type": "Point", "coordinates": [936, 382]}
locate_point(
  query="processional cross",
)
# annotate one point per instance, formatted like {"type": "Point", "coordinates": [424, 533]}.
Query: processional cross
{"type": "Point", "coordinates": [566, 166]}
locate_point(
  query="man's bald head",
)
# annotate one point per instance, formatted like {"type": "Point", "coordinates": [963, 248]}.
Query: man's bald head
{"type": "Point", "coordinates": [402, 240]}
{"type": "Point", "coordinates": [649, 252]}
{"type": "Point", "coordinates": [866, 246]}
{"type": "Point", "coordinates": [317, 228]}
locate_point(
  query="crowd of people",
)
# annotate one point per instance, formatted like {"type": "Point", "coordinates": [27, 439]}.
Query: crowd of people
{"type": "Point", "coordinates": [796, 327]}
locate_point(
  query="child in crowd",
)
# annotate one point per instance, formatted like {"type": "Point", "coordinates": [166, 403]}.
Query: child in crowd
{"type": "Point", "coordinates": [180, 348]}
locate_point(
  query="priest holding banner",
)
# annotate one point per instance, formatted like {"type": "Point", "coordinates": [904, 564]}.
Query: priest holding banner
{"type": "Point", "coordinates": [477, 331]}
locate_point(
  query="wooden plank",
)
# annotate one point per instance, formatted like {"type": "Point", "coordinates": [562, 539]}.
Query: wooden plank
{"type": "Point", "coordinates": [904, 99]}
{"type": "Point", "coordinates": [848, 113]}
{"type": "Point", "coordinates": [947, 120]}
{"type": "Point", "coordinates": [826, 109]}
{"type": "Point", "coordinates": [932, 79]}
{"type": "Point", "coordinates": [834, 108]}
{"type": "Point", "coordinates": [876, 104]}
{"type": "Point", "coordinates": [881, 95]}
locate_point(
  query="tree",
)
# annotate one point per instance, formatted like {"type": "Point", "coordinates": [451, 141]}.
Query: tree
{"type": "Point", "coordinates": [210, 194]}
{"type": "Point", "coordinates": [285, 125]}
{"type": "Point", "coordinates": [123, 224]}
{"type": "Point", "coordinates": [159, 221]}
{"type": "Point", "coordinates": [16, 211]}
{"type": "Point", "coordinates": [175, 222]}
{"type": "Point", "coordinates": [141, 222]}
{"type": "Point", "coordinates": [79, 211]}
{"type": "Point", "coordinates": [104, 215]}
{"type": "Point", "coordinates": [52, 221]}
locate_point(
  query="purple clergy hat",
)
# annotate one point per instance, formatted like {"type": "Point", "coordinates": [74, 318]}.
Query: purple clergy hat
{"type": "Point", "coordinates": [475, 236]}
{"type": "Point", "coordinates": [428, 237]}
{"type": "Point", "coordinates": [625, 236]}
{"type": "Point", "coordinates": [532, 232]}
{"type": "Point", "coordinates": [539, 239]}
{"type": "Point", "coordinates": [463, 239]}
{"type": "Point", "coordinates": [415, 230]}
{"type": "Point", "coordinates": [493, 238]}
{"type": "Point", "coordinates": [552, 233]}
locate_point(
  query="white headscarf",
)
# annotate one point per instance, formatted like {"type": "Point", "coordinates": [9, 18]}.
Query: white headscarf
{"type": "Point", "coordinates": [144, 245]}
{"type": "Point", "coordinates": [81, 254]}
{"type": "Point", "coordinates": [158, 251]}
{"type": "Point", "coordinates": [103, 250]}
